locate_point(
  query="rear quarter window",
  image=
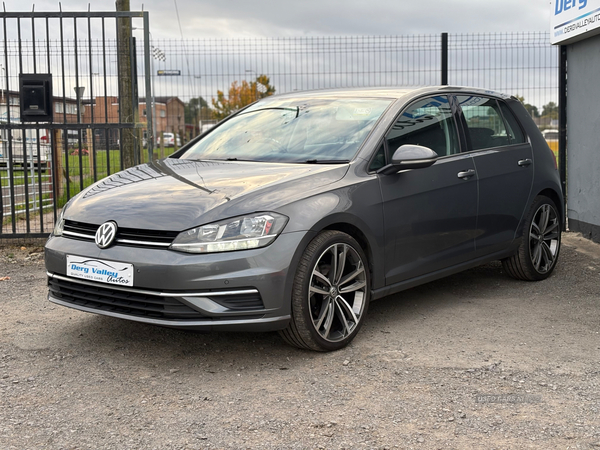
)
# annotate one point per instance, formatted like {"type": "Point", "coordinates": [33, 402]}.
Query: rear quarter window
{"type": "Point", "coordinates": [515, 132]}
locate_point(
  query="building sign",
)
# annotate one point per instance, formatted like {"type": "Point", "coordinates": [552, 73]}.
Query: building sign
{"type": "Point", "coordinates": [168, 73]}
{"type": "Point", "coordinates": [573, 20]}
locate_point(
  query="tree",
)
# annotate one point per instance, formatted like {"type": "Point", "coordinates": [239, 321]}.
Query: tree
{"type": "Point", "coordinates": [531, 109]}
{"type": "Point", "coordinates": [550, 110]}
{"type": "Point", "coordinates": [197, 109]}
{"type": "Point", "coordinates": [240, 95]}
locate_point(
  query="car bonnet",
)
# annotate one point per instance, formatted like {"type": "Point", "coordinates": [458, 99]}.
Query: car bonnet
{"type": "Point", "coordinates": [174, 194]}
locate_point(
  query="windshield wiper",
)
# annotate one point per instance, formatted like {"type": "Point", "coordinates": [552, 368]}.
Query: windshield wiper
{"type": "Point", "coordinates": [296, 109]}
{"type": "Point", "coordinates": [327, 161]}
{"type": "Point", "coordinates": [238, 159]}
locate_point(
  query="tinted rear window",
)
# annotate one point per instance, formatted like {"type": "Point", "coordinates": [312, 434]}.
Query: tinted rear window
{"type": "Point", "coordinates": [512, 125]}
{"type": "Point", "coordinates": [484, 121]}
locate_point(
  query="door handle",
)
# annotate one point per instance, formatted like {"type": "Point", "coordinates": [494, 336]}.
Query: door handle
{"type": "Point", "coordinates": [466, 174]}
{"type": "Point", "coordinates": [525, 162]}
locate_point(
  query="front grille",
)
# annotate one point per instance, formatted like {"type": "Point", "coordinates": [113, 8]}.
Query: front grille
{"type": "Point", "coordinates": [120, 301]}
{"type": "Point", "coordinates": [146, 236]}
{"type": "Point", "coordinates": [125, 236]}
{"type": "Point", "coordinates": [81, 229]}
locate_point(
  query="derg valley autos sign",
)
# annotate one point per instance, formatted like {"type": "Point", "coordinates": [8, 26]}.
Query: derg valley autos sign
{"type": "Point", "coordinates": [574, 20]}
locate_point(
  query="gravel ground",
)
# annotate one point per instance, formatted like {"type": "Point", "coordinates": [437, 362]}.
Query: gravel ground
{"type": "Point", "coordinates": [476, 360]}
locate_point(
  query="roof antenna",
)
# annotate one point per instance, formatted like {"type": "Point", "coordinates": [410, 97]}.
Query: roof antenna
{"type": "Point", "coordinates": [60, 6]}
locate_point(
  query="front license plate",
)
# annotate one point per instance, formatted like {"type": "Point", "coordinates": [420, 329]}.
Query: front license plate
{"type": "Point", "coordinates": [110, 272]}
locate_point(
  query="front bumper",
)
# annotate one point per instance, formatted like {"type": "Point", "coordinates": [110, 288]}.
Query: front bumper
{"type": "Point", "coordinates": [235, 291]}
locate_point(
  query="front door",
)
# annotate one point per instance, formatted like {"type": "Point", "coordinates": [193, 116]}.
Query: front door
{"type": "Point", "coordinates": [430, 214]}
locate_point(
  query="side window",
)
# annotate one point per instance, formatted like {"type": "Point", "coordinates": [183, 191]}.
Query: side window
{"type": "Point", "coordinates": [512, 125]}
{"type": "Point", "coordinates": [484, 122]}
{"type": "Point", "coordinates": [428, 122]}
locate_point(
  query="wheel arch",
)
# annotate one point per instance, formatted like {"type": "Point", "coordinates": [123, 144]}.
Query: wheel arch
{"type": "Point", "coordinates": [522, 263]}
{"type": "Point", "coordinates": [358, 235]}
{"type": "Point", "coordinates": [552, 194]}
{"type": "Point", "coordinates": [557, 199]}
{"type": "Point", "coordinates": [364, 235]}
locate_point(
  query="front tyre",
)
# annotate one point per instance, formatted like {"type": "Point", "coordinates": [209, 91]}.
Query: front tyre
{"type": "Point", "coordinates": [330, 295]}
{"type": "Point", "coordinates": [538, 252]}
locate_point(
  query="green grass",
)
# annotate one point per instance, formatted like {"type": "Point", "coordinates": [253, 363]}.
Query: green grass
{"type": "Point", "coordinates": [19, 177]}
{"type": "Point", "coordinates": [78, 174]}
{"type": "Point", "coordinates": [114, 163]}
{"type": "Point", "coordinates": [102, 165]}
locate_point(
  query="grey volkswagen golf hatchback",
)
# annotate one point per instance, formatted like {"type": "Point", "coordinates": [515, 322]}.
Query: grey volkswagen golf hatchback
{"type": "Point", "coordinates": [297, 211]}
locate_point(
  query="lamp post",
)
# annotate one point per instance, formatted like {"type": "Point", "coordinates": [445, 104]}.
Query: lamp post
{"type": "Point", "coordinates": [260, 88]}
{"type": "Point", "coordinates": [3, 93]}
{"type": "Point", "coordinates": [79, 90]}
{"type": "Point", "coordinates": [178, 134]}
{"type": "Point", "coordinates": [157, 53]}
{"type": "Point", "coordinates": [2, 88]}
{"type": "Point", "coordinates": [197, 121]}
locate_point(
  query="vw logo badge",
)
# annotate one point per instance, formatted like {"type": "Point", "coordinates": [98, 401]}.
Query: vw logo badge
{"type": "Point", "coordinates": [105, 235]}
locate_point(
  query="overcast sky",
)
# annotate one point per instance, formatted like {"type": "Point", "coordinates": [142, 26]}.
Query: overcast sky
{"type": "Point", "coordinates": [280, 18]}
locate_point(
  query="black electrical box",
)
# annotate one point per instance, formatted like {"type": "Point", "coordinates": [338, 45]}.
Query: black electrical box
{"type": "Point", "coordinates": [36, 97]}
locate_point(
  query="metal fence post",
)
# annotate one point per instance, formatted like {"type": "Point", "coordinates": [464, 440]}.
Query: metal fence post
{"type": "Point", "coordinates": [150, 107]}
{"type": "Point", "coordinates": [562, 124]}
{"type": "Point", "coordinates": [444, 59]}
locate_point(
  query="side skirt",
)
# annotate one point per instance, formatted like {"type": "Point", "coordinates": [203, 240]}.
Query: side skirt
{"type": "Point", "coordinates": [412, 282]}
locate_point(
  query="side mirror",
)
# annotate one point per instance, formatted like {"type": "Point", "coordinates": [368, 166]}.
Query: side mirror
{"type": "Point", "coordinates": [410, 157]}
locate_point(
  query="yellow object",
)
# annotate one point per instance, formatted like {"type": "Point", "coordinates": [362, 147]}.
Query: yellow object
{"type": "Point", "coordinates": [553, 144]}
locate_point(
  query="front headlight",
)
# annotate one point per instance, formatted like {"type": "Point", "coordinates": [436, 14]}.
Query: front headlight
{"type": "Point", "coordinates": [240, 233]}
{"type": "Point", "coordinates": [60, 220]}
{"type": "Point", "coordinates": [60, 225]}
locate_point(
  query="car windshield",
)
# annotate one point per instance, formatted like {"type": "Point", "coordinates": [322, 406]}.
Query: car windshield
{"type": "Point", "coordinates": [293, 130]}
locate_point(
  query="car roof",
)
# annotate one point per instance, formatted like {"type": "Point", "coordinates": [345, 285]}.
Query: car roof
{"type": "Point", "coordinates": [391, 92]}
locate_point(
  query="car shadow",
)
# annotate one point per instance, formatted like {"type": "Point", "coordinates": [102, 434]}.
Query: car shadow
{"type": "Point", "coordinates": [149, 347]}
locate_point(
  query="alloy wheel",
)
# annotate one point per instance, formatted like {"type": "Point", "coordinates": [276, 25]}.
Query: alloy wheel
{"type": "Point", "coordinates": [337, 292]}
{"type": "Point", "coordinates": [544, 238]}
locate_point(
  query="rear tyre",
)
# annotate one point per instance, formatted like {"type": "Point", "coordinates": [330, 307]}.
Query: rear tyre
{"type": "Point", "coordinates": [538, 252]}
{"type": "Point", "coordinates": [330, 295]}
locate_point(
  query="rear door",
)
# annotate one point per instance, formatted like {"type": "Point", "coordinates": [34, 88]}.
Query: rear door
{"type": "Point", "coordinates": [504, 162]}
{"type": "Point", "coordinates": [430, 214]}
